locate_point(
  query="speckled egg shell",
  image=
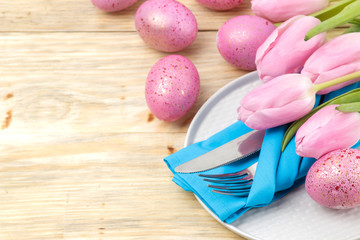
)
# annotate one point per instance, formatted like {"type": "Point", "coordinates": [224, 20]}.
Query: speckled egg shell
{"type": "Point", "coordinates": [166, 25]}
{"type": "Point", "coordinates": [172, 87]}
{"type": "Point", "coordinates": [220, 5]}
{"type": "Point", "coordinates": [113, 5]}
{"type": "Point", "coordinates": [239, 38]}
{"type": "Point", "coordinates": [334, 179]}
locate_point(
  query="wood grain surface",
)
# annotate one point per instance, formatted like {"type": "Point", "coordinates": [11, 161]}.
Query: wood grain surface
{"type": "Point", "coordinates": [80, 152]}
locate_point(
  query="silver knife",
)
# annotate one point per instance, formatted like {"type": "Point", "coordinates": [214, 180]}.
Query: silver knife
{"type": "Point", "coordinates": [230, 152]}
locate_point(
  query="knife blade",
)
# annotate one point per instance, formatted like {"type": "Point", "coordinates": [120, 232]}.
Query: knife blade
{"type": "Point", "coordinates": [227, 153]}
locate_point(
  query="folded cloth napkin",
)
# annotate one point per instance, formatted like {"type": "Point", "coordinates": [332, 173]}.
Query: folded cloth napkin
{"type": "Point", "coordinates": [276, 175]}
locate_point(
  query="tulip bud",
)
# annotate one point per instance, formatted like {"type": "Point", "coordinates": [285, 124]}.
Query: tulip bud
{"type": "Point", "coordinates": [338, 57]}
{"type": "Point", "coordinates": [281, 10]}
{"type": "Point", "coordinates": [282, 100]}
{"type": "Point", "coordinates": [285, 50]}
{"type": "Point", "coordinates": [327, 130]}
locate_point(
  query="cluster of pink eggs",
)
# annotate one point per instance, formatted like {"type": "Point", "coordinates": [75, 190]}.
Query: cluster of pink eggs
{"type": "Point", "coordinates": [173, 84]}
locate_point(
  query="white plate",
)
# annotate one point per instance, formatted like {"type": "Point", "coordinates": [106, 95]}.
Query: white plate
{"type": "Point", "coordinates": [296, 216]}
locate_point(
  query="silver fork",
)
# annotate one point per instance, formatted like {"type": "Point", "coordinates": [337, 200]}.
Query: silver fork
{"type": "Point", "coordinates": [235, 184]}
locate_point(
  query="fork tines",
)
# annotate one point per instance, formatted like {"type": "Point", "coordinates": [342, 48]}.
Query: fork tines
{"type": "Point", "coordinates": [234, 184]}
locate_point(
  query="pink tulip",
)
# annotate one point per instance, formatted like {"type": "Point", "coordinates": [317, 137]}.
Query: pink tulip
{"type": "Point", "coordinates": [285, 50]}
{"type": "Point", "coordinates": [282, 100]}
{"type": "Point", "coordinates": [338, 57]}
{"type": "Point", "coordinates": [281, 10]}
{"type": "Point", "coordinates": [327, 130]}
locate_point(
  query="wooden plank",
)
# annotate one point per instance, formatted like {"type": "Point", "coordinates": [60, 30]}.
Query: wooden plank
{"type": "Point", "coordinates": [89, 82]}
{"type": "Point", "coordinates": [81, 15]}
{"type": "Point", "coordinates": [80, 158]}
{"type": "Point", "coordinates": [113, 187]}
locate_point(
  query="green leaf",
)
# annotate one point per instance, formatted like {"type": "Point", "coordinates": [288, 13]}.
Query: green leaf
{"type": "Point", "coordinates": [347, 14]}
{"type": "Point", "coordinates": [349, 97]}
{"type": "Point", "coordinates": [353, 28]}
{"type": "Point", "coordinates": [349, 107]}
{"type": "Point", "coordinates": [332, 10]}
{"type": "Point", "coordinates": [355, 21]}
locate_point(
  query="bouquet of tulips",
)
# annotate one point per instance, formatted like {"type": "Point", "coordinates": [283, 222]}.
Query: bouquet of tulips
{"type": "Point", "coordinates": [296, 63]}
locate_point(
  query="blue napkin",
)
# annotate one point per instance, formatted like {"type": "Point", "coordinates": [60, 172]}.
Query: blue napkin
{"type": "Point", "coordinates": [276, 175]}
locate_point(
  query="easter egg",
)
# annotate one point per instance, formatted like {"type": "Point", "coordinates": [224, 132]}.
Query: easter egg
{"type": "Point", "coordinates": [239, 38]}
{"type": "Point", "coordinates": [113, 5]}
{"type": "Point", "coordinates": [220, 5]}
{"type": "Point", "coordinates": [166, 25]}
{"type": "Point", "coordinates": [172, 87]}
{"type": "Point", "coordinates": [334, 179]}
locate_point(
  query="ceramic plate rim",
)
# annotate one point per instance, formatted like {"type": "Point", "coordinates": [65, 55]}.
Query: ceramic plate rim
{"type": "Point", "coordinates": [198, 131]}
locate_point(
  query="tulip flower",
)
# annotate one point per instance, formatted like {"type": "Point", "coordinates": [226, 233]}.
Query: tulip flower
{"type": "Point", "coordinates": [281, 10]}
{"type": "Point", "coordinates": [285, 50]}
{"type": "Point", "coordinates": [282, 100]}
{"type": "Point", "coordinates": [327, 130]}
{"type": "Point", "coordinates": [338, 57]}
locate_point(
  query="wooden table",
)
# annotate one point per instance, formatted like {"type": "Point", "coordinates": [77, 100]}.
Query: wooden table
{"type": "Point", "coordinates": [81, 154]}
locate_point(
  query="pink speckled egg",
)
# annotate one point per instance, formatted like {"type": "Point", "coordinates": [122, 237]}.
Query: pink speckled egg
{"type": "Point", "coordinates": [239, 38]}
{"type": "Point", "coordinates": [220, 5]}
{"type": "Point", "coordinates": [172, 87]}
{"type": "Point", "coordinates": [166, 25]}
{"type": "Point", "coordinates": [113, 5]}
{"type": "Point", "coordinates": [334, 179]}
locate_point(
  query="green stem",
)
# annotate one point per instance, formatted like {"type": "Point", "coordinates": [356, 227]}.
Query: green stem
{"type": "Point", "coordinates": [350, 12]}
{"type": "Point", "coordinates": [336, 81]}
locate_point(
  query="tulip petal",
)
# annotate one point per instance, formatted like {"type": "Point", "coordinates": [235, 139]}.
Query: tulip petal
{"type": "Point", "coordinates": [272, 117]}
{"type": "Point", "coordinates": [285, 50]}
{"type": "Point", "coordinates": [322, 119]}
{"type": "Point", "coordinates": [327, 130]}
{"type": "Point", "coordinates": [337, 58]}
{"type": "Point", "coordinates": [281, 10]}
{"type": "Point", "coordinates": [282, 100]}
{"type": "Point", "coordinates": [288, 87]}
